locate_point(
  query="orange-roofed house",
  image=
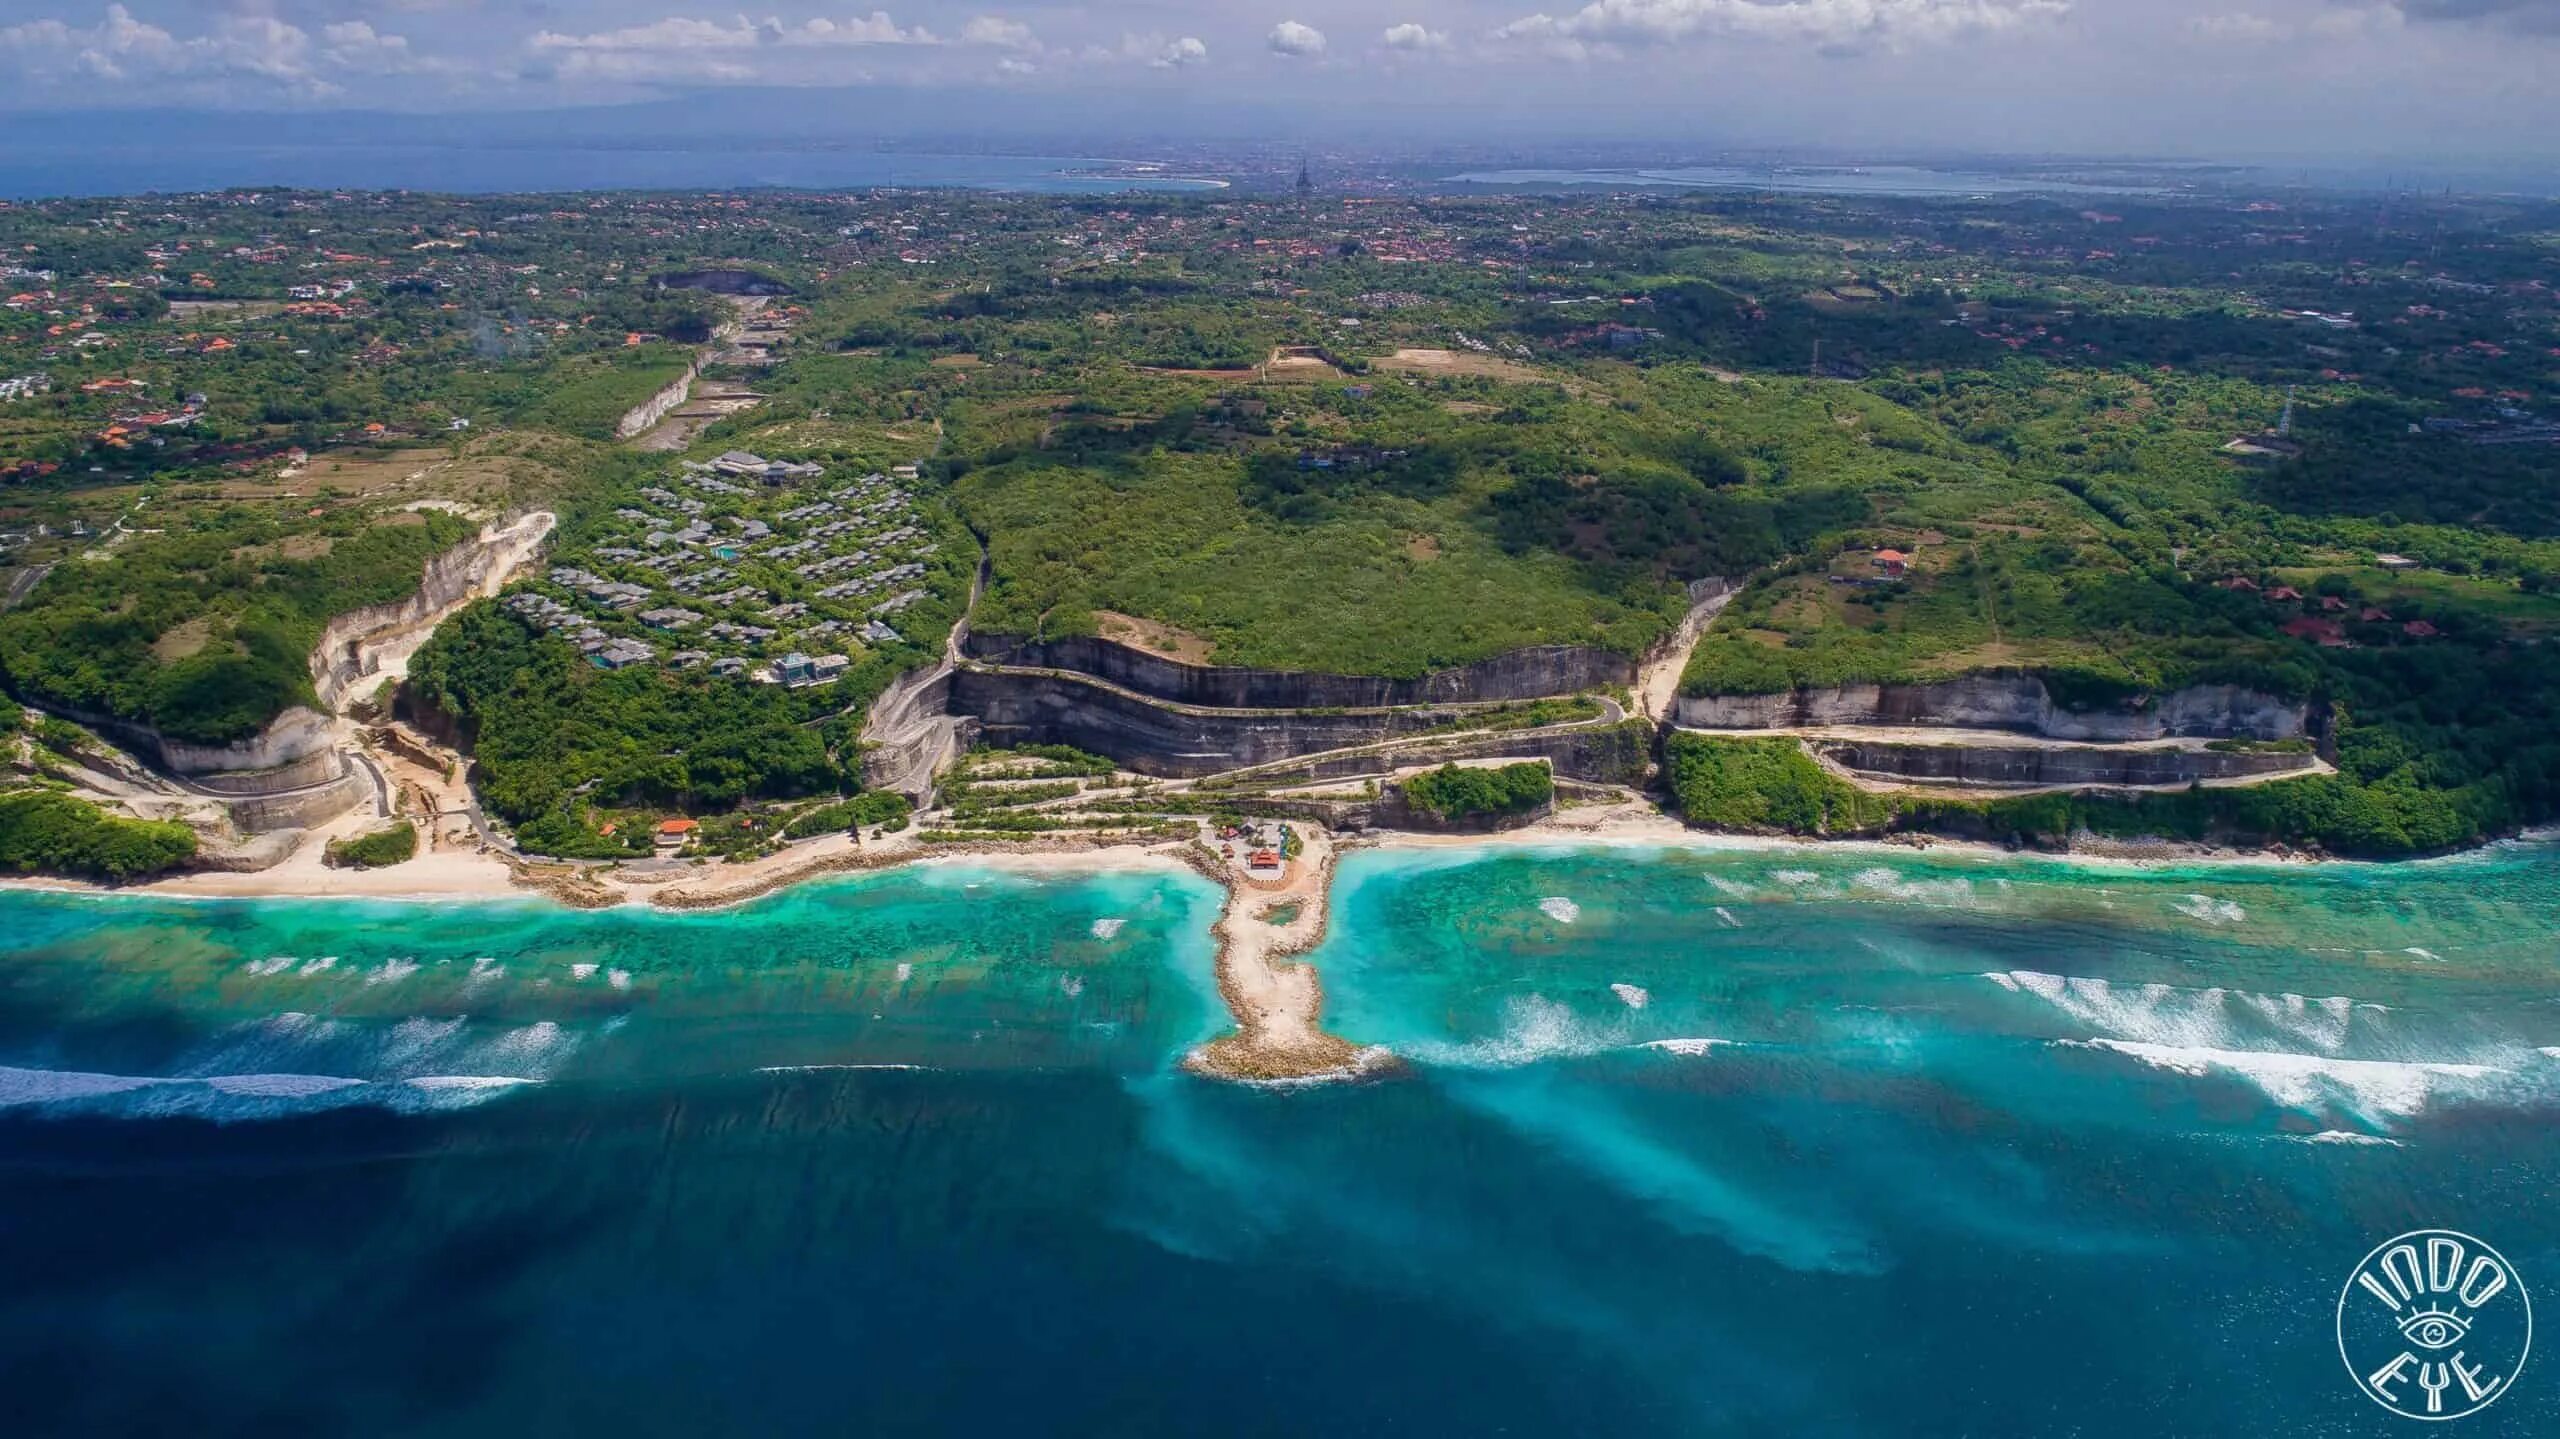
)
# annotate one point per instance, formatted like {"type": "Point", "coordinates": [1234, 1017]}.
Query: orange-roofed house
{"type": "Point", "coordinates": [1892, 562]}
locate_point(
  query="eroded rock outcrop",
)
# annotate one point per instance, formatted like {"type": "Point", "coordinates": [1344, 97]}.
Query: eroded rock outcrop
{"type": "Point", "coordinates": [2006, 701]}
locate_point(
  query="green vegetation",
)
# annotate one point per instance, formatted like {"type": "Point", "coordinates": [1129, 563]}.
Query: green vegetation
{"type": "Point", "coordinates": [588, 397]}
{"type": "Point", "coordinates": [397, 844]}
{"type": "Point", "coordinates": [206, 633]}
{"type": "Point", "coordinates": [558, 744]}
{"type": "Point", "coordinates": [1385, 441]}
{"type": "Point", "coordinates": [1170, 538]}
{"type": "Point", "coordinates": [874, 809]}
{"type": "Point", "coordinates": [1456, 793]}
{"type": "Point", "coordinates": [1771, 786]}
{"type": "Point", "coordinates": [42, 832]}
{"type": "Point", "coordinates": [2095, 628]}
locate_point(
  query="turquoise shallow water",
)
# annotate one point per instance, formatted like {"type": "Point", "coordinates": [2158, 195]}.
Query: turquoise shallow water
{"type": "Point", "coordinates": [1818, 1141]}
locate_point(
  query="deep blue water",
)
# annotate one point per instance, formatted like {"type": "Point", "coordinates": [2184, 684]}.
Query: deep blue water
{"type": "Point", "coordinates": [1745, 1142]}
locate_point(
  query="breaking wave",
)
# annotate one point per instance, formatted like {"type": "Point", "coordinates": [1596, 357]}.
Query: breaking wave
{"type": "Point", "coordinates": [2210, 1018]}
{"type": "Point", "coordinates": [2211, 910]}
{"type": "Point", "coordinates": [237, 1096]}
{"type": "Point", "coordinates": [1633, 996]}
{"type": "Point", "coordinates": [1108, 928]}
{"type": "Point", "coordinates": [2371, 1089]}
{"type": "Point", "coordinates": [1560, 909]}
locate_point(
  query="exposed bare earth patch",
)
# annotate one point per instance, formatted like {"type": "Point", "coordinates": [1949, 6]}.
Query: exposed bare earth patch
{"type": "Point", "coordinates": [1154, 636]}
{"type": "Point", "coordinates": [1461, 362]}
{"type": "Point", "coordinates": [185, 640]}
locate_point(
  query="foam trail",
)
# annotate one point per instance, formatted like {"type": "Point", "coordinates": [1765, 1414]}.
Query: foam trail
{"type": "Point", "coordinates": [1534, 1028]}
{"type": "Point", "coordinates": [1726, 916]}
{"type": "Point", "coordinates": [1685, 1193]}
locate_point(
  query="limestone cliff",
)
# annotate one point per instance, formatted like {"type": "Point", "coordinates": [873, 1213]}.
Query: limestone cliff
{"type": "Point", "coordinates": [2027, 766]}
{"type": "Point", "coordinates": [2007, 701]}
{"type": "Point", "coordinates": [639, 419]}
{"type": "Point", "coordinates": [1536, 673]}
{"type": "Point", "coordinates": [378, 640]}
{"type": "Point", "coordinates": [1160, 739]}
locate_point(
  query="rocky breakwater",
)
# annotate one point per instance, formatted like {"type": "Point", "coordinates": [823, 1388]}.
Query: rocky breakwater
{"type": "Point", "coordinates": [2006, 701]}
{"type": "Point", "coordinates": [1270, 919]}
{"type": "Point", "coordinates": [376, 642]}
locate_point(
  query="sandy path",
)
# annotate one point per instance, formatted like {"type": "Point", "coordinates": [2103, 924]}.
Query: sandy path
{"type": "Point", "coordinates": [1658, 685]}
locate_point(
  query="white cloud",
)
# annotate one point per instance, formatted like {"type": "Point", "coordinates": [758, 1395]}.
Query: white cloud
{"type": "Point", "coordinates": [2240, 27]}
{"type": "Point", "coordinates": [685, 33]}
{"type": "Point", "coordinates": [1000, 33]}
{"type": "Point", "coordinates": [1298, 41]}
{"type": "Point", "coordinates": [267, 55]}
{"type": "Point", "coordinates": [1415, 37]}
{"type": "Point", "coordinates": [1634, 23]}
{"type": "Point", "coordinates": [1175, 54]}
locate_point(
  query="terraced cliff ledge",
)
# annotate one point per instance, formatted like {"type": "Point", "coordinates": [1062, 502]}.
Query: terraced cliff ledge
{"type": "Point", "coordinates": [2006, 701]}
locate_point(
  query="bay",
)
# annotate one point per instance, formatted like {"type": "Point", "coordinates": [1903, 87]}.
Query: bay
{"type": "Point", "coordinates": [1714, 1139]}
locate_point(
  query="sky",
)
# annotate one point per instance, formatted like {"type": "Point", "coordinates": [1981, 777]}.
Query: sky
{"type": "Point", "coordinates": [2446, 80]}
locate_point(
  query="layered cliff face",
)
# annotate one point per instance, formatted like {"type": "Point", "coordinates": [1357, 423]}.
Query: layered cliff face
{"type": "Point", "coordinates": [1521, 675]}
{"type": "Point", "coordinates": [2064, 766]}
{"type": "Point", "coordinates": [2008, 702]}
{"type": "Point", "coordinates": [377, 641]}
{"type": "Point", "coordinates": [1156, 739]}
{"type": "Point", "coordinates": [910, 736]}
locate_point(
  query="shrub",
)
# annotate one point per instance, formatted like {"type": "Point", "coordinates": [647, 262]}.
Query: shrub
{"type": "Point", "coordinates": [383, 847]}
{"type": "Point", "coordinates": [42, 832]}
{"type": "Point", "coordinates": [1452, 792]}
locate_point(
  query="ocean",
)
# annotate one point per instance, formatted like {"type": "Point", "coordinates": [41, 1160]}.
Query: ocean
{"type": "Point", "coordinates": [1715, 1140]}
